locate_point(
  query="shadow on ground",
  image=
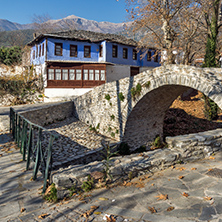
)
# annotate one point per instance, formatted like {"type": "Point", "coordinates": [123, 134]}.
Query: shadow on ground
{"type": "Point", "coordinates": [178, 122]}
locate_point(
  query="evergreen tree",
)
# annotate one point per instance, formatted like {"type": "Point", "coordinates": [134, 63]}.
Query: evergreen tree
{"type": "Point", "coordinates": [213, 24]}
{"type": "Point", "coordinates": [212, 19]}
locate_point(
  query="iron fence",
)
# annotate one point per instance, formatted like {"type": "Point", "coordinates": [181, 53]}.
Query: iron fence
{"type": "Point", "coordinates": [29, 138]}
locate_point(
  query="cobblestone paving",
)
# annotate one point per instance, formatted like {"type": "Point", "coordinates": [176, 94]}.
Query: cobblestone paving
{"type": "Point", "coordinates": [76, 141]}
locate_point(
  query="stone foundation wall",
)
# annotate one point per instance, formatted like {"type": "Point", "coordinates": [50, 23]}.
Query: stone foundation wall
{"type": "Point", "coordinates": [50, 114]}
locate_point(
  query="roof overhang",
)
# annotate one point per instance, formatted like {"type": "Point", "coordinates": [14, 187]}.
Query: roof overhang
{"type": "Point", "coordinates": [76, 62]}
{"type": "Point", "coordinates": [100, 37]}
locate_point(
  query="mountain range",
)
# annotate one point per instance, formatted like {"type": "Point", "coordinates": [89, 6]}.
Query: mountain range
{"type": "Point", "coordinates": [12, 33]}
{"type": "Point", "coordinates": [64, 23]}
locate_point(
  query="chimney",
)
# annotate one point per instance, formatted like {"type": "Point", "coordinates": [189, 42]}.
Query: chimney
{"type": "Point", "coordinates": [34, 35]}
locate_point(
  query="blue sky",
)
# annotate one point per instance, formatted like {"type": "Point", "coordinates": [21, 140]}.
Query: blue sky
{"type": "Point", "coordinates": [22, 11]}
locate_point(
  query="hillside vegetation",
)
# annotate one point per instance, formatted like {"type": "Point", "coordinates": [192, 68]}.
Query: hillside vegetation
{"type": "Point", "coordinates": [10, 55]}
{"type": "Point", "coordinates": [16, 38]}
{"type": "Point", "coordinates": [20, 89]}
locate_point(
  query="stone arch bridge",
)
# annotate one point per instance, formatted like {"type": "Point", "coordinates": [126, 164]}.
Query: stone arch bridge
{"type": "Point", "coordinates": [112, 110]}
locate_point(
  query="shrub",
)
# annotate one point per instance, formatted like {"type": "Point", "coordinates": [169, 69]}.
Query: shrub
{"type": "Point", "coordinates": [138, 88]}
{"type": "Point", "coordinates": [19, 87]}
{"type": "Point", "coordinates": [107, 153]}
{"type": "Point", "coordinates": [51, 193]}
{"type": "Point", "coordinates": [112, 134]}
{"type": "Point", "coordinates": [211, 108]}
{"type": "Point", "coordinates": [157, 142]}
{"type": "Point", "coordinates": [72, 190]}
{"type": "Point", "coordinates": [11, 56]}
{"type": "Point", "coordinates": [136, 91]}
{"type": "Point", "coordinates": [88, 185]}
{"type": "Point", "coordinates": [124, 149]}
{"type": "Point", "coordinates": [147, 84]}
{"type": "Point", "coordinates": [133, 92]}
{"type": "Point", "coordinates": [92, 128]}
{"type": "Point", "coordinates": [98, 125]}
{"type": "Point", "coordinates": [112, 117]}
{"type": "Point", "coordinates": [121, 96]}
{"type": "Point", "coordinates": [107, 97]}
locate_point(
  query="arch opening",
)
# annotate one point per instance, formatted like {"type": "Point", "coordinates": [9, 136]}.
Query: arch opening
{"type": "Point", "coordinates": [146, 120]}
{"type": "Point", "coordinates": [187, 115]}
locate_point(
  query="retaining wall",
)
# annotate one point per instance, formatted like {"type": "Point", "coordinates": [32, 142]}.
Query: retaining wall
{"type": "Point", "coordinates": [196, 144]}
{"type": "Point", "coordinates": [50, 114]}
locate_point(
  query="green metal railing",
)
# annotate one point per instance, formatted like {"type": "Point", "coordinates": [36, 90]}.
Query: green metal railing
{"type": "Point", "coordinates": [28, 137]}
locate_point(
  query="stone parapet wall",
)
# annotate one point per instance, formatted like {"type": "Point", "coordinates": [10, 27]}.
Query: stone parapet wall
{"type": "Point", "coordinates": [180, 149]}
{"type": "Point", "coordinates": [50, 113]}
{"type": "Point", "coordinates": [196, 144]}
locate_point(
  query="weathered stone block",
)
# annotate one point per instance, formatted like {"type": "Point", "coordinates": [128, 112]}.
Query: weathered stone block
{"type": "Point", "coordinates": [64, 181]}
{"type": "Point", "coordinates": [61, 193]}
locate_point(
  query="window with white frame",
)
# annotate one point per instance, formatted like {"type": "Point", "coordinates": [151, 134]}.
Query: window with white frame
{"type": "Point", "coordinates": [91, 74]}
{"type": "Point", "coordinates": [72, 74]}
{"type": "Point", "coordinates": [96, 74]}
{"type": "Point", "coordinates": [78, 74]}
{"type": "Point", "coordinates": [65, 74]}
{"type": "Point", "coordinates": [102, 75]}
{"type": "Point", "coordinates": [50, 74]}
{"type": "Point", "coordinates": [58, 74]}
{"type": "Point", "coordinates": [85, 74]}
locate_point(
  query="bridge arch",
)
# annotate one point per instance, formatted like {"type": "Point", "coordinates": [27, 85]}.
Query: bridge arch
{"type": "Point", "coordinates": [113, 111]}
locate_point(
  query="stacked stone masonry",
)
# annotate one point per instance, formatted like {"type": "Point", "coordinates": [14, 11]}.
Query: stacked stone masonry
{"type": "Point", "coordinates": [196, 145]}
{"type": "Point", "coordinates": [138, 120]}
{"type": "Point", "coordinates": [180, 149]}
{"type": "Point", "coordinates": [50, 113]}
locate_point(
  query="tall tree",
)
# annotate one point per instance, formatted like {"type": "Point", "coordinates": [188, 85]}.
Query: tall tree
{"type": "Point", "coordinates": [190, 40]}
{"type": "Point", "coordinates": [212, 15]}
{"type": "Point", "coordinates": [157, 21]}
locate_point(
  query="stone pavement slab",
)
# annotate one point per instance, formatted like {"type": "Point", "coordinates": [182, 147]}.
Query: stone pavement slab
{"type": "Point", "coordinates": [127, 203]}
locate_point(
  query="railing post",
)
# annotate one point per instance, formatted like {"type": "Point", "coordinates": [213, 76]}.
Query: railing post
{"type": "Point", "coordinates": [49, 160]}
{"type": "Point", "coordinates": [24, 139]}
{"type": "Point", "coordinates": [10, 116]}
{"type": "Point", "coordinates": [37, 158]}
{"type": "Point", "coordinates": [16, 123]}
{"type": "Point", "coordinates": [13, 123]}
{"type": "Point", "coordinates": [19, 131]}
{"type": "Point", "coordinates": [29, 146]}
{"type": "Point", "coordinates": [21, 135]}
